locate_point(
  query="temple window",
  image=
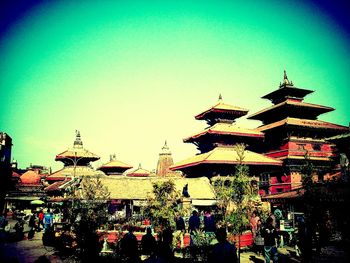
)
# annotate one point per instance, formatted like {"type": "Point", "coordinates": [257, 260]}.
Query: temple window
{"type": "Point", "coordinates": [301, 146]}
{"type": "Point", "coordinates": [317, 147]}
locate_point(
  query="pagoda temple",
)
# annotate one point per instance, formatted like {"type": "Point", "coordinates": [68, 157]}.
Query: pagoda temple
{"type": "Point", "coordinates": [292, 131]}
{"type": "Point", "coordinates": [114, 167]}
{"type": "Point", "coordinates": [76, 162]}
{"type": "Point", "coordinates": [216, 145]}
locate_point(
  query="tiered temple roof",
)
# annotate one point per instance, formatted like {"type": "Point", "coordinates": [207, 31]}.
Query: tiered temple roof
{"type": "Point", "coordinates": [292, 129]}
{"type": "Point", "coordinates": [289, 111]}
{"type": "Point", "coordinates": [218, 156]}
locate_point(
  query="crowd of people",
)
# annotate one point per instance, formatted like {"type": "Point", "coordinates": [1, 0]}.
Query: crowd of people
{"type": "Point", "coordinates": [26, 223]}
{"type": "Point", "coordinates": [265, 235]}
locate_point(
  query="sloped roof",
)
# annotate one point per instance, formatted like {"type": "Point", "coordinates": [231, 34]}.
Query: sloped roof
{"type": "Point", "coordinates": [116, 164]}
{"type": "Point", "coordinates": [226, 129]}
{"type": "Point", "coordinates": [139, 188]}
{"type": "Point", "coordinates": [296, 193]}
{"type": "Point", "coordinates": [314, 124]}
{"type": "Point", "coordinates": [339, 137]}
{"type": "Point", "coordinates": [287, 90]}
{"type": "Point", "coordinates": [307, 106]}
{"type": "Point", "coordinates": [56, 185]}
{"type": "Point", "coordinates": [139, 172]}
{"type": "Point", "coordinates": [222, 107]}
{"type": "Point", "coordinates": [69, 171]}
{"type": "Point", "coordinates": [75, 153]}
{"type": "Point", "coordinates": [226, 155]}
{"type": "Point", "coordinates": [312, 158]}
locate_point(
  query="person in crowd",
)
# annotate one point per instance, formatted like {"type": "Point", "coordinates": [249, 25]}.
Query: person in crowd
{"type": "Point", "coordinates": [304, 240]}
{"type": "Point", "coordinates": [48, 219]}
{"type": "Point", "coordinates": [128, 246]}
{"type": "Point", "coordinates": [209, 222]}
{"type": "Point", "coordinates": [148, 243]}
{"type": "Point", "coordinates": [259, 240]}
{"type": "Point", "coordinates": [223, 251]}
{"type": "Point", "coordinates": [32, 226]}
{"type": "Point", "coordinates": [41, 219]}
{"type": "Point", "coordinates": [269, 233]}
{"type": "Point", "coordinates": [254, 223]}
{"type": "Point", "coordinates": [180, 227]}
{"type": "Point", "coordinates": [3, 225]}
{"type": "Point", "coordinates": [19, 227]}
{"type": "Point", "coordinates": [193, 225]}
{"type": "Point", "coordinates": [179, 221]}
{"type": "Point", "coordinates": [194, 222]}
{"type": "Point", "coordinates": [165, 253]}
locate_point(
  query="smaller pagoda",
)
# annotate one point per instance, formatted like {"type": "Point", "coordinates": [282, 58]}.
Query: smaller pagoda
{"type": "Point", "coordinates": [139, 172]}
{"type": "Point", "coordinates": [216, 145]}
{"type": "Point", "coordinates": [114, 167]}
{"type": "Point", "coordinates": [76, 161]}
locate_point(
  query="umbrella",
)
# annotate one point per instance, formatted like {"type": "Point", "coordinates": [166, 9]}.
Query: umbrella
{"type": "Point", "coordinates": [37, 202]}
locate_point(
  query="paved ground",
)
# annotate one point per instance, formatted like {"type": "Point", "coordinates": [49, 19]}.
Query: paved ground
{"type": "Point", "coordinates": [28, 251]}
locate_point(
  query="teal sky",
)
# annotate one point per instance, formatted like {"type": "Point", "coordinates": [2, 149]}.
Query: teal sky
{"type": "Point", "coordinates": [131, 74]}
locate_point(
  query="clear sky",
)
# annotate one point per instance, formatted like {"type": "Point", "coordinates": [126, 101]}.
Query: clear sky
{"type": "Point", "coordinates": [131, 74]}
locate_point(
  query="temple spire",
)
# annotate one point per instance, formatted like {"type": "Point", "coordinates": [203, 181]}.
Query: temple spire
{"type": "Point", "coordinates": [286, 81]}
{"type": "Point", "coordinates": [220, 97]}
{"type": "Point", "coordinates": [165, 147]}
{"type": "Point", "coordinates": [165, 161]}
{"type": "Point", "coordinates": [78, 142]}
{"type": "Point", "coordinates": [112, 157]}
{"type": "Point", "coordinates": [285, 78]}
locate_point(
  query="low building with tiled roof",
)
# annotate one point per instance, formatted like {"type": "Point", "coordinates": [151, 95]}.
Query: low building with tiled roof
{"type": "Point", "coordinates": [114, 166]}
{"type": "Point", "coordinates": [139, 172]}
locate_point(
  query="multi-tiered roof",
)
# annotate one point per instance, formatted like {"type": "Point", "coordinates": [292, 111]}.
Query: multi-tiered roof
{"type": "Point", "coordinates": [291, 126]}
{"type": "Point", "coordinates": [216, 143]}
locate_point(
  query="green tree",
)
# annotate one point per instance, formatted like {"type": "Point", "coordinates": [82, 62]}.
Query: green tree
{"type": "Point", "coordinates": [162, 204]}
{"type": "Point", "coordinates": [88, 211]}
{"type": "Point", "coordinates": [237, 196]}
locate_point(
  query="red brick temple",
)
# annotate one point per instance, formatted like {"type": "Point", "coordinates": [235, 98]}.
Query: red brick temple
{"type": "Point", "coordinates": [165, 160]}
{"type": "Point", "coordinates": [216, 145]}
{"type": "Point", "coordinates": [292, 130]}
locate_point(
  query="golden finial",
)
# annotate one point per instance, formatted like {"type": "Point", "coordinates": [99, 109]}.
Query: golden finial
{"type": "Point", "coordinates": [220, 97]}
{"type": "Point", "coordinates": [285, 78]}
